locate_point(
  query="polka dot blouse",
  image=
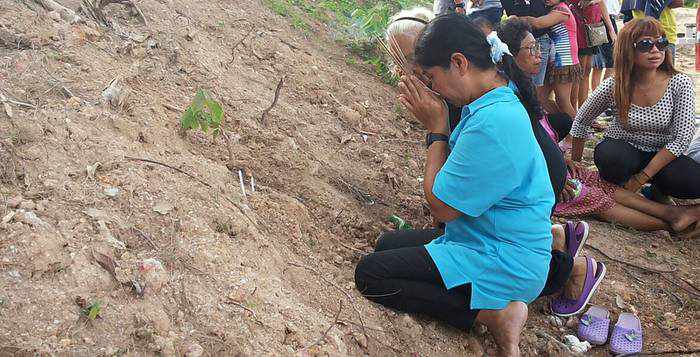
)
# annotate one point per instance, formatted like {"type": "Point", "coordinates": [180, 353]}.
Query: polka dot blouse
{"type": "Point", "coordinates": [670, 123]}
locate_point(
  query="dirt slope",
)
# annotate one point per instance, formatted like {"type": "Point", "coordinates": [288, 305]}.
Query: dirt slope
{"type": "Point", "coordinates": [224, 273]}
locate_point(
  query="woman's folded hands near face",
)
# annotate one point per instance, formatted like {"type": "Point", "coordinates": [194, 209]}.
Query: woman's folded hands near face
{"type": "Point", "coordinates": [427, 106]}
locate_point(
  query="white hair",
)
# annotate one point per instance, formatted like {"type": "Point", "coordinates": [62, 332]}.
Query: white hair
{"type": "Point", "coordinates": [404, 26]}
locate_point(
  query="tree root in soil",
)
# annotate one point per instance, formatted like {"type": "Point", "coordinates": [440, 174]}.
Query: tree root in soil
{"type": "Point", "coordinates": [94, 9]}
{"type": "Point", "coordinates": [263, 117]}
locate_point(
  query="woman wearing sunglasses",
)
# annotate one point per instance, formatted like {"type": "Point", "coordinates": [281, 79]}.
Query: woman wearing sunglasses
{"type": "Point", "coordinates": [654, 121]}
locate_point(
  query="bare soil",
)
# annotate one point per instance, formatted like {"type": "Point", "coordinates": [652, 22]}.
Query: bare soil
{"type": "Point", "coordinates": [189, 265]}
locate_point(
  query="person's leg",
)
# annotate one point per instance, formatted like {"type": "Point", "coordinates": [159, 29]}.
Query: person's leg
{"type": "Point", "coordinates": [584, 85]}
{"type": "Point", "coordinates": [574, 94]}
{"type": "Point", "coordinates": [403, 238]}
{"type": "Point", "coordinates": [672, 52]}
{"type": "Point", "coordinates": [543, 95]}
{"type": "Point", "coordinates": [632, 218]}
{"type": "Point", "coordinates": [596, 76]}
{"type": "Point", "coordinates": [680, 178]}
{"type": "Point", "coordinates": [561, 123]}
{"type": "Point", "coordinates": [407, 279]}
{"type": "Point", "coordinates": [608, 73]}
{"type": "Point", "coordinates": [560, 270]}
{"type": "Point", "coordinates": [506, 326]}
{"type": "Point", "coordinates": [562, 92]}
{"type": "Point", "coordinates": [598, 64]}
{"type": "Point", "coordinates": [677, 217]}
{"type": "Point", "coordinates": [617, 160]}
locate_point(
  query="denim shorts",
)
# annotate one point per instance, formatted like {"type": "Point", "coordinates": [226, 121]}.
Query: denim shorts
{"type": "Point", "coordinates": [492, 14]}
{"type": "Point", "coordinates": [547, 51]}
{"type": "Point", "coordinates": [604, 57]}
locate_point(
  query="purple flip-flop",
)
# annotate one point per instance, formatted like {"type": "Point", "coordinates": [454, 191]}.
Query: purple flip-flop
{"type": "Point", "coordinates": [594, 325]}
{"type": "Point", "coordinates": [576, 236]}
{"type": "Point", "coordinates": [627, 335]}
{"type": "Point", "coordinates": [564, 307]}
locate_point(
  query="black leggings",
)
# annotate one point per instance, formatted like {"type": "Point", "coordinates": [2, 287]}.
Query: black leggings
{"type": "Point", "coordinates": [400, 274]}
{"type": "Point", "coordinates": [618, 161]}
{"type": "Point", "coordinates": [561, 123]}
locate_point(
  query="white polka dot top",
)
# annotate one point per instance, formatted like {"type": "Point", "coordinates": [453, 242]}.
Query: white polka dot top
{"type": "Point", "coordinates": [670, 123]}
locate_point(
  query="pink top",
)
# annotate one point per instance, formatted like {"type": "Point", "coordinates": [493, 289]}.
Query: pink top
{"type": "Point", "coordinates": [589, 15]}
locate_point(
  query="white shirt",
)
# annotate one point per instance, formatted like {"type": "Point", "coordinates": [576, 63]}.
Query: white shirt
{"type": "Point", "coordinates": [613, 7]}
{"type": "Point", "coordinates": [694, 149]}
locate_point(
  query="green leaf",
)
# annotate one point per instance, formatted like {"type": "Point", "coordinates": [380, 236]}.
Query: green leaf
{"type": "Point", "coordinates": [189, 119]}
{"type": "Point", "coordinates": [216, 111]}
{"type": "Point", "coordinates": [93, 310]}
{"type": "Point", "coordinates": [199, 99]}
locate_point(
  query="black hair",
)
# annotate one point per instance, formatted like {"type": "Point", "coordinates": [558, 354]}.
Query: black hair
{"type": "Point", "coordinates": [482, 22]}
{"type": "Point", "coordinates": [454, 33]}
{"type": "Point", "coordinates": [512, 32]}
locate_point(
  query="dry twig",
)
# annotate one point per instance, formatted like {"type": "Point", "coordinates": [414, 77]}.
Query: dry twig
{"type": "Point", "coordinates": [690, 292]}
{"type": "Point", "coordinates": [325, 333]}
{"type": "Point", "coordinates": [274, 101]}
{"type": "Point", "coordinates": [145, 237]}
{"type": "Point", "coordinates": [238, 43]}
{"type": "Point", "coordinates": [170, 167]}
{"type": "Point", "coordinates": [651, 270]}
{"type": "Point", "coordinates": [342, 291]}
{"type": "Point", "coordinates": [231, 302]}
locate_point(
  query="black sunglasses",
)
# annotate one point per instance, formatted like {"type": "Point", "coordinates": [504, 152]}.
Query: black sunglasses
{"type": "Point", "coordinates": [647, 44]}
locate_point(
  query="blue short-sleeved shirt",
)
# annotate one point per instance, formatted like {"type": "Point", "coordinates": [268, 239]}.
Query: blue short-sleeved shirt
{"type": "Point", "coordinates": [496, 176]}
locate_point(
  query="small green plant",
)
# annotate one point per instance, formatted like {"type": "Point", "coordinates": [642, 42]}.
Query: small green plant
{"type": "Point", "coordinates": [299, 23]}
{"type": "Point", "coordinates": [204, 113]}
{"type": "Point", "coordinates": [92, 311]}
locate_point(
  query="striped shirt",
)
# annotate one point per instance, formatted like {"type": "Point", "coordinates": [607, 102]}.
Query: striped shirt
{"type": "Point", "coordinates": [563, 36]}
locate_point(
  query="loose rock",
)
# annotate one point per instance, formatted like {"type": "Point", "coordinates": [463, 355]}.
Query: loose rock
{"type": "Point", "coordinates": [410, 326]}
{"type": "Point", "coordinates": [152, 273]}
{"type": "Point", "coordinates": [14, 202]}
{"type": "Point", "coordinates": [27, 205]}
{"type": "Point", "coordinates": [194, 350]}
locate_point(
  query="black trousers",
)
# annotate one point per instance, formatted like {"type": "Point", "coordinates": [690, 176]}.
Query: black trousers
{"type": "Point", "coordinates": [618, 161]}
{"type": "Point", "coordinates": [561, 123]}
{"type": "Point", "coordinates": [400, 274]}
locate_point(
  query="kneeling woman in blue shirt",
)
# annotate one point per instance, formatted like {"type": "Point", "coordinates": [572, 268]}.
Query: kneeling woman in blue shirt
{"type": "Point", "coordinates": [492, 191]}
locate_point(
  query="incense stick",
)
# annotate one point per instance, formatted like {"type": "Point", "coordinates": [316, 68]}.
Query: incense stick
{"type": "Point", "coordinates": [394, 52]}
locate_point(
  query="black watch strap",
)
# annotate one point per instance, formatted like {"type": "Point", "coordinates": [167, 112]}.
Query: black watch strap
{"type": "Point", "coordinates": [433, 137]}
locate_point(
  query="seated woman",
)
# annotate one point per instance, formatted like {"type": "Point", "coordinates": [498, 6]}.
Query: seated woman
{"type": "Point", "coordinates": [599, 198]}
{"type": "Point", "coordinates": [517, 34]}
{"type": "Point", "coordinates": [653, 121]}
{"type": "Point", "coordinates": [477, 270]}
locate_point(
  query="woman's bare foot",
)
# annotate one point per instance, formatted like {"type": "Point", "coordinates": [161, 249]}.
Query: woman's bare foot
{"type": "Point", "coordinates": [505, 326]}
{"type": "Point", "coordinates": [559, 238]}
{"type": "Point", "coordinates": [574, 286]}
{"type": "Point", "coordinates": [683, 217]}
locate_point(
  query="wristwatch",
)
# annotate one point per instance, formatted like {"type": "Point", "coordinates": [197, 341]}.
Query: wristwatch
{"type": "Point", "coordinates": [433, 137]}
